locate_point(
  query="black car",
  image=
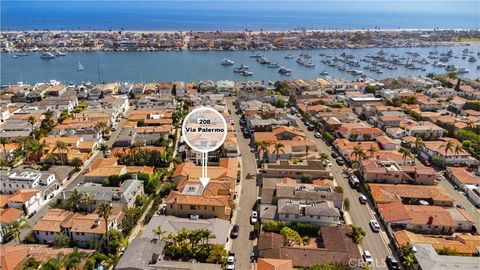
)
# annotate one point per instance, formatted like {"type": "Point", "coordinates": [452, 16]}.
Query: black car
{"type": "Point", "coordinates": [334, 155]}
{"type": "Point", "coordinates": [340, 161]}
{"type": "Point", "coordinates": [234, 231]}
{"type": "Point", "coordinates": [311, 127]}
{"type": "Point", "coordinates": [246, 133]}
{"type": "Point", "coordinates": [392, 263]}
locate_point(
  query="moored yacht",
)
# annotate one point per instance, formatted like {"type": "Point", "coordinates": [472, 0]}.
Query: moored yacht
{"type": "Point", "coordinates": [285, 71]}
{"type": "Point", "coordinates": [226, 62]}
{"type": "Point", "coordinates": [241, 69]}
{"type": "Point", "coordinates": [47, 55]}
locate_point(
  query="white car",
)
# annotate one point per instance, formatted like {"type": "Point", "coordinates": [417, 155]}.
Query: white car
{"type": "Point", "coordinates": [254, 217]}
{"type": "Point", "coordinates": [367, 257]}
{"type": "Point", "coordinates": [327, 163]}
{"type": "Point", "coordinates": [363, 199]}
{"type": "Point", "coordinates": [374, 225]}
{"type": "Point", "coordinates": [230, 261]}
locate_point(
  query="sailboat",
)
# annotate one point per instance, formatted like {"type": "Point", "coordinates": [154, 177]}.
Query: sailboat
{"type": "Point", "coordinates": [80, 67]}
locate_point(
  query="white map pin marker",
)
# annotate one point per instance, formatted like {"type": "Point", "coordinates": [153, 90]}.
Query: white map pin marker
{"type": "Point", "coordinates": [204, 130]}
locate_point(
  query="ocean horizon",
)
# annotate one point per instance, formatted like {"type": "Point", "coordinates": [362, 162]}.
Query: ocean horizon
{"type": "Point", "coordinates": [231, 15]}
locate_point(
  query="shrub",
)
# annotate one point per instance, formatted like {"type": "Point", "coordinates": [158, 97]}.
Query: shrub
{"type": "Point", "coordinates": [273, 226]}
{"type": "Point", "coordinates": [304, 229]}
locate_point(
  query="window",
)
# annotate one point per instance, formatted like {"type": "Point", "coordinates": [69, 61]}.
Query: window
{"type": "Point", "coordinates": [181, 207]}
{"type": "Point", "coordinates": [193, 207]}
{"type": "Point", "coordinates": [205, 208]}
{"type": "Point", "coordinates": [83, 233]}
{"type": "Point", "coordinates": [286, 215]}
{"type": "Point", "coordinates": [335, 218]}
{"type": "Point", "coordinates": [76, 233]}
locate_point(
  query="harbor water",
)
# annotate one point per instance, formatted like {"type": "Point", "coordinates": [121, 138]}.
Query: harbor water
{"type": "Point", "coordinates": [195, 66]}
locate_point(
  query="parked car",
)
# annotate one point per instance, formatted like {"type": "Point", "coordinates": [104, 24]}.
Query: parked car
{"type": "Point", "coordinates": [334, 155]}
{"type": "Point", "coordinates": [427, 163]}
{"type": "Point", "coordinates": [374, 225]}
{"type": "Point", "coordinates": [367, 257]}
{"type": "Point", "coordinates": [460, 206]}
{"type": "Point", "coordinates": [363, 199]}
{"type": "Point", "coordinates": [327, 163]}
{"type": "Point", "coordinates": [254, 217]}
{"type": "Point", "coordinates": [340, 161]}
{"type": "Point", "coordinates": [311, 127]}
{"type": "Point", "coordinates": [246, 133]}
{"type": "Point", "coordinates": [253, 257]}
{"type": "Point", "coordinates": [234, 231]}
{"type": "Point", "coordinates": [353, 180]}
{"type": "Point", "coordinates": [392, 263]}
{"type": "Point", "coordinates": [230, 261]}
{"type": "Point", "coordinates": [317, 135]}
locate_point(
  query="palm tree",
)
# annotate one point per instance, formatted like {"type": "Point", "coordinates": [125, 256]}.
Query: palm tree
{"type": "Point", "coordinates": [278, 149]}
{"type": "Point", "coordinates": [72, 261]}
{"type": "Point", "coordinates": [102, 127]}
{"type": "Point", "coordinates": [32, 120]}
{"type": "Point", "coordinates": [406, 255]}
{"type": "Point", "coordinates": [458, 148]}
{"type": "Point", "coordinates": [358, 154]}
{"type": "Point", "coordinates": [159, 232]}
{"type": "Point", "coordinates": [88, 201]}
{"type": "Point", "coordinates": [4, 141]}
{"type": "Point", "coordinates": [405, 153]}
{"type": "Point", "coordinates": [372, 150]}
{"type": "Point", "coordinates": [50, 157]}
{"type": "Point", "coordinates": [53, 263]}
{"type": "Point", "coordinates": [31, 264]}
{"type": "Point", "coordinates": [104, 211]}
{"type": "Point", "coordinates": [449, 147]}
{"type": "Point", "coordinates": [307, 149]}
{"type": "Point", "coordinates": [104, 148]}
{"type": "Point", "coordinates": [35, 148]}
{"type": "Point", "coordinates": [61, 147]}
{"type": "Point", "coordinates": [262, 146]}
{"type": "Point", "coordinates": [470, 124]}
{"type": "Point", "coordinates": [324, 157]}
{"type": "Point", "coordinates": [418, 144]}
{"type": "Point", "coordinates": [73, 200]}
{"type": "Point", "coordinates": [16, 227]}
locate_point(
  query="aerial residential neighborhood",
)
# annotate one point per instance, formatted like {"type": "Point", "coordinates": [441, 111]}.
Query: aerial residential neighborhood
{"type": "Point", "coordinates": [310, 174]}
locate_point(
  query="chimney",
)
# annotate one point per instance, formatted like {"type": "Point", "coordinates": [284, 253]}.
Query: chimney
{"type": "Point", "coordinates": [430, 220]}
{"type": "Point", "coordinates": [97, 222]}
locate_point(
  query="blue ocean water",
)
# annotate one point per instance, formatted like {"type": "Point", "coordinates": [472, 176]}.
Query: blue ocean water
{"type": "Point", "coordinates": [237, 15]}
